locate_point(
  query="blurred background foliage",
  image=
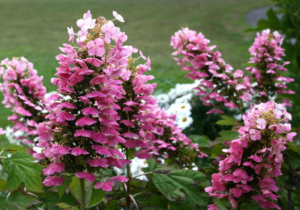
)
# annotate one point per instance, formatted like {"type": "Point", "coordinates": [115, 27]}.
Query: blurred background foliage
{"type": "Point", "coordinates": [35, 29]}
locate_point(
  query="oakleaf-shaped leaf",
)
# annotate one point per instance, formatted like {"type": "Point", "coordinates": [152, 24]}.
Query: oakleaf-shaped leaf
{"type": "Point", "coordinates": [21, 168]}
{"type": "Point", "coordinates": [171, 184]}
{"type": "Point", "coordinates": [18, 201]}
{"type": "Point", "coordinates": [15, 148]}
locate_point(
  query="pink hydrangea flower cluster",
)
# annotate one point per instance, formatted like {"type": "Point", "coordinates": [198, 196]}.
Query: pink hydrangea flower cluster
{"type": "Point", "coordinates": [219, 85]}
{"type": "Point", "coordinates": [24, 92]}
{"type": "Point", "coordinates": [103, 103]}
{"type": "Point", "coordinates": [267, 65]}
{"type": "Point", "coordinates": [254, 160]}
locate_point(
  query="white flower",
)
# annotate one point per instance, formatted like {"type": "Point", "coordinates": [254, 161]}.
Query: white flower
{"type": "Point", "coordinates": [118, 16]}
{"type": "Point", "coordinates": [182, 89]}
{"type": "Point", "coordinates": [184, 99]}
{"type": "Point", "coordinates": [136, 167]}
{"type": "Point", "coordinates": [172, 94]}
{"type": "Point", "coordinates": [162, 98]}
{"type": "Point", "coordinates": [11, 135]}
{"type": "Point", "coordinates": [184, 122]}
{"type": "Point", "coordinates": [180, 108]}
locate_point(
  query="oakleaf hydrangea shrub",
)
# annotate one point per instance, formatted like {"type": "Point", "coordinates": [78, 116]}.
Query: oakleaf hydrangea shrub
{"type": "Point", "coordinates": [267, 65]}
{"type": "Point", "coordinates": [24, 92]}
{"type": "Point", "coordinates": [104, 109]}
{"type": "Point", "coordinates": [219, 85]}
{"type": "Point", "coordinates": [254, 160]}
{"type": "Point", "coordinates": [103, 115]}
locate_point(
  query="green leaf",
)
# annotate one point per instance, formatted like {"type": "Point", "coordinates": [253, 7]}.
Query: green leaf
{"type": "Point", "coordinates": [112, 205]}
{"type": "Point", "coordinates": [18, 201]}
{"type": "Point", "coordinates": [273, 19]}
{"type": "Point", "coordinates": [97, 196]}
{"type": "Point", "coordinates": [65, 206]}
{"type": "Point", "coordinates": [195, 175]}
{"type": "Point", "coordinates": [21, 168]}
{"type": "Point", "coordinates": [3, 185]}
{"type": "Point", "coordinates": [186, 204]}
{"type": "Point", "coordinates": [151, 200]}
{"type": "Point", "coordinates": [52, 198]}
{"type": "Point", "coordinates": [202, 141]}
{"type": "Point", "coordinates": [75, 189]}
{"type": "Point", "coordinates": [227, 135]}
{"type": "Point", "coordinates": [170, 185]}
{"type": "Point", "coordinates": [4, 142]}
{"type": "Point", "coordinates": [152, 164]}
{"type": "Point", "coordinates": [15, 148]}
{"type": "Point", "coordinates": [62, 188]}
{"type": "Point", "coordinates": [222, 204]}
{"type": "Point", "coordinates": [2, 202]}
{"type": "Point", "coordinates": [293, 158]}
{"type": "Point", "coordinates": [216, 150]}
{"type": "Point", "coordinates": [226, 121]}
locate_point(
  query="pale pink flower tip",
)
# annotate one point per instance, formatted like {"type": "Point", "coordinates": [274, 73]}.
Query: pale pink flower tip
{"type": "Point", "coordinates": [261, 123]}
{"type": "Point", "coordinates": [118, 17]}
{"type": "Point", "coordinates": [2, 131]}
{"type": "Point", "coordinates": [96, 47]}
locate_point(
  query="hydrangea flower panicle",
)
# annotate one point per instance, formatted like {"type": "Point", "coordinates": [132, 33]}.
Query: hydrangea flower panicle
{"type": "Point", "coordinates": [24, 92]}
{"type": "Point", "coordinates": [267, 65]}
{"type": "Point", "coordinates": [254, 160]}
{"type": "Point", "coordinates": [103, 108]}
{"type": "Point", "coordinates": [219, 84]}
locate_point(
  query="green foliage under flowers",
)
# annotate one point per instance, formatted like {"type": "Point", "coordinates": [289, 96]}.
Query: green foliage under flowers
{"type": "Point", "coordinates": [167, 187]}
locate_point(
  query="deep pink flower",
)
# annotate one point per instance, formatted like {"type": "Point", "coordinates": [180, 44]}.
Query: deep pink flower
{"type": "Point", "coordinates": [106, 186]}
{"type": "Point", "coordinates": [87, 176]}
{"type": "Point", "coordinates": [85, 121]}
{"type": "Point", "coordinates": [79, 151]}
{"type": "Point", "coordinates": [118, 179]}
{"type": "Point", "coordinates": [102, 162]}
{"type": "Point", "coordinates": [54, 168]}
{"type": "Point", "coordinates": [53, 181]}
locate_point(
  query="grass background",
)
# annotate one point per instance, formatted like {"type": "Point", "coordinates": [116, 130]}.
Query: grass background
{"type": "Point", "coordinates": [36, 28]}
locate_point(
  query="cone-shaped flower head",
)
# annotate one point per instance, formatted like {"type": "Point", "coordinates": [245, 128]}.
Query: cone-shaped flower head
{"type": "Point", "coordinates": [267, 66]}
{"type": "Point", "coordinates": [103, 108]}
{"type": "Point", "coordinates": [254, 160]}
{"type": "Point", "coordinates": [24, 92]}
{"type": "Point", "coordinates": [219, 85]}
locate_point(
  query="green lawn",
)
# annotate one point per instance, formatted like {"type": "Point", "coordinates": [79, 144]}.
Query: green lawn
{"type": "Point", "coordinates": [35, 30]}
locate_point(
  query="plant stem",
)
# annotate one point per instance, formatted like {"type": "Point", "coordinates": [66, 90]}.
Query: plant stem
{"type": "Point", "coordinates": [128, 183]}
{"type": "Point", "coordinates": [142, 174]}
{"type": "Point", "coordinates": [82, 187]}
